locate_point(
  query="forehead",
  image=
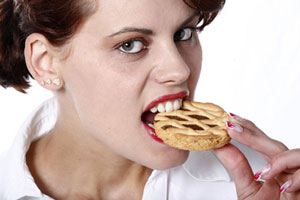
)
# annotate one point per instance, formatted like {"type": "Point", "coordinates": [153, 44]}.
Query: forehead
{"type": "Point", "coordinates": [112, 15]}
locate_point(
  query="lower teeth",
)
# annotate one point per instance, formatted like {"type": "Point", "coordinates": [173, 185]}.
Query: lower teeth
{"type": "Point", "coordinates": [151, 125]}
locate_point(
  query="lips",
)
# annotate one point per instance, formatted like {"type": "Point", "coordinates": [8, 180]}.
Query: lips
{"type": "Point", "coordinates": [148, 116]}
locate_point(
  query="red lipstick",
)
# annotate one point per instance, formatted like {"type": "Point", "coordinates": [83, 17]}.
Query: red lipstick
{"type": "Point", "coordinates": [150, 130]}
{"type": "Point", "coordinates": [152, 133]}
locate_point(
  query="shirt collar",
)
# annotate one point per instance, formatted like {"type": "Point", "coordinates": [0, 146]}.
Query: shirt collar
{"type": "Point", "coordinates": [205, 166]}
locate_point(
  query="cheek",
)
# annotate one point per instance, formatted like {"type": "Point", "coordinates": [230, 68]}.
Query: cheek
{"type": "Point", "coordinates": [103, 95]}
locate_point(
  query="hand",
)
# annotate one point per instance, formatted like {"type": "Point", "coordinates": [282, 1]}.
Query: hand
{"type": "Point", "coordinates": [280, 179]}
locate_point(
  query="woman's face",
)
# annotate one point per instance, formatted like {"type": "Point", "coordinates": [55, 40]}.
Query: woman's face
{"type": "Point", "coordinates": [127, 57]}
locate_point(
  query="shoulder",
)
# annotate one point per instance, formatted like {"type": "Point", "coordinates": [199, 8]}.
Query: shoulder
{"type": "Point", "coordinates": [8, 174]}
{"type": "Point", "coordinates": [16, 180]}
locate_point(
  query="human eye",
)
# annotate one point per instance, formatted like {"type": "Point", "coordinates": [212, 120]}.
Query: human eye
{"type": "Point", "coordinates": [132, 46]}
{"type": "Point", "coordinates": [184, 34]}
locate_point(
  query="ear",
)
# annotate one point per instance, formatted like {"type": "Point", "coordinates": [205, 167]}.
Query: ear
{"type": "Point", "coordinates": [39, 55]}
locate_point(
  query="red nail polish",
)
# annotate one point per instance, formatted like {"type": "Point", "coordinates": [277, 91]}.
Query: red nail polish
{"type": "Point", "coordinates": [257, 176]}
{"type": "Point", "coordinates": [262, 172]}
{"type": "Point", "coordinates": [234, 126]}
{"type": "Point", "coordinates": [234, 116]}
{"type": "Point", "coordinates": [230, 124]}
{"type": "Point", "coordinates": [285, 186]}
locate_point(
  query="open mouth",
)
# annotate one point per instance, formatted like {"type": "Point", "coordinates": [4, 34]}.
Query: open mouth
{"type": "Point", "coordinates": [168, 106]}
{"type": "Point", "coordinates": [149, 115]}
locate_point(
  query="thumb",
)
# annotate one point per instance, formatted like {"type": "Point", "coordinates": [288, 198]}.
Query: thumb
{"type": "Point", "coordinates": [239, 169]}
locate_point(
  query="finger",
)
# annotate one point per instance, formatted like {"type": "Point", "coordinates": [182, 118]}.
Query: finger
{"type": "Point", "coordinates": [295, 182]}
{"type": "Point", "coordinates": [245, 123]}
{"type": "Point", "coordinates": [238, 167]}
{"type": "Point", "coordinates": [259, 142]}
{"type": "Point", "coordinates": [287, 162]}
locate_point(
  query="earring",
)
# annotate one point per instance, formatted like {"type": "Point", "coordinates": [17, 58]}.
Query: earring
{"type": "Point", "coordinates": [48, 81]}
{"type": "Point", "coordinates": [56, 82]}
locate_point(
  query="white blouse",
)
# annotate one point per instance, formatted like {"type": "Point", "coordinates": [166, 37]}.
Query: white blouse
{"type": "Point", "coordinates": [202, 176]}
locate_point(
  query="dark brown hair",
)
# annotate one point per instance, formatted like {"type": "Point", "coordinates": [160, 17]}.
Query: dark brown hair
{"type": "Point", "coordinates": [58, 21]}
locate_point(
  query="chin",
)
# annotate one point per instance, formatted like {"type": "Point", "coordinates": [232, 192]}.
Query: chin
{"type": "Point", "coordinates": [170, 159]}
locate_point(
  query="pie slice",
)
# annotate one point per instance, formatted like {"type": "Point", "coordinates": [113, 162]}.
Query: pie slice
{"type": "Point", "coordinates": [195, 127]}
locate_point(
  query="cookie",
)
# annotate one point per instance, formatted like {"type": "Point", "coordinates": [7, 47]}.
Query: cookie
{"type": "Point", "coordinates": [195, 127]}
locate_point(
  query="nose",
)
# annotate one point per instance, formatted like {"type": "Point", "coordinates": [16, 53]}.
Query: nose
{"type": "Point", "coordinates": [171, 67]}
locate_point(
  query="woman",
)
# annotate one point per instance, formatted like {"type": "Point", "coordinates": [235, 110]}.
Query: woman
{"type": "Point", "coordinates": [106, 62]}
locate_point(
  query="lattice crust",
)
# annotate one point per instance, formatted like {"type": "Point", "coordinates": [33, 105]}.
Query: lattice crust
{"type": "Point", "coordinates": [197, 126]}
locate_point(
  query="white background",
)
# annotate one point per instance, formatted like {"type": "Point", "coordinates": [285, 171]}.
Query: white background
{"type": "Point", "coordinates": [251, 67]}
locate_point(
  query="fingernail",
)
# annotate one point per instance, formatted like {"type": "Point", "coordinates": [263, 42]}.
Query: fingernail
{"type": "Point", "coordinates": [285, 186]}
{"type": "Point", "coordinates": [260, 173]}
{"type": "Point", "coordinates": [234, 126]}
{"type": "Point", "coordinates": [236, 117]}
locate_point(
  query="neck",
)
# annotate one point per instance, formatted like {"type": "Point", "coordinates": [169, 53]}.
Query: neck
{"type": "Point", "coordinates": [67, 163]}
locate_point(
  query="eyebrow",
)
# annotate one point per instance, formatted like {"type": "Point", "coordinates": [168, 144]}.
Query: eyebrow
{"type": "Point", "coordinates": [190, 19]}
{"type": "Point", "coordinates": [132, 29]}
{"type": "Point", "coordinates": [150, 32]}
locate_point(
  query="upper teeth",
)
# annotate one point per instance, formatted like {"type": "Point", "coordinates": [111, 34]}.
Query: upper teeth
{"type": "Point", "coordinates": [167, 106]}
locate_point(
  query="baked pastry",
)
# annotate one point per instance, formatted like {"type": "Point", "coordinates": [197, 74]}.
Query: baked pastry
{"type": "Point", "coordinates": [195, 127]}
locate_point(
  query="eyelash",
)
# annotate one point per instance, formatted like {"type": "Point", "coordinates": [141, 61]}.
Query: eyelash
{"type": "Point", "coordinates": [145, 43]}
{"type": "Point", "coordinates": [142, 40]}
{"type": "Point", "coordinates": [192, 29]}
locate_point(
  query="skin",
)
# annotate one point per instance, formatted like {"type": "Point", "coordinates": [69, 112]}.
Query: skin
{"type": "Point", "coordinates": [99, 142]}
{"type": "Point", "coordinates": [99, 139]}
{"type": "Point", "coordinates": [283, 164]}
